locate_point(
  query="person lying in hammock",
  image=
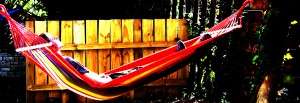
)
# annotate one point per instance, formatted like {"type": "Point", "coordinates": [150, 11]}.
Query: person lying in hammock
{"type": "Point", "coordinates": [101, 78]}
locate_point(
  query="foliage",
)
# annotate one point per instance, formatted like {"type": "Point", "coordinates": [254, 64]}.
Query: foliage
{"type": "Point", "coordinates": [23, 10]}
{"type": "Point", "coordinates": [33, 8]}
{"type": "Point", "coordinates": [276, 53]}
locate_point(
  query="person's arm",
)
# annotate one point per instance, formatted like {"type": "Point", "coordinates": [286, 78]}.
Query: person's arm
{"type": "Point", "coordinates": [98, 79]}
{"type": "Point", "coordinates": [79, 67]}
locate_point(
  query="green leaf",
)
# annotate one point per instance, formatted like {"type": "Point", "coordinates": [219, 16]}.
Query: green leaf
{"type": "Point", "coordinates": [294, 22]}
{"type": "Point", "coordinates": [287, 56]}
{"type": "Point", "coordinates": [288, 79]}
{"type": "Point", "coordinates": [254, 59]}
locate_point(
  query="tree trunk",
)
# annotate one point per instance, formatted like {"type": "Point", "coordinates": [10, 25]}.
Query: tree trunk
{"type": "Point", "coordinates": [277, 21]}
{"type": "Point", "coordinates": [203, 15]}
{"type": "Point", "coordinates": [212, 15]}
{"type": "Point", "coordinates": [196, 12]}
{"type": "Point", "coordinates": [265, 89]}
{"type": "Point", "coordinates": [219, 59]}
{"type": "Point", "coordinates": [174, 8]}
{"type": "Point", "coordinates": [181, 8]}
{"type": "Point", "coordinates": [188, 6]}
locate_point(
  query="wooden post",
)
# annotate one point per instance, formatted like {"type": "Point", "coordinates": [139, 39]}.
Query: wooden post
{"type": "Point", "coordinates": [29, 70]}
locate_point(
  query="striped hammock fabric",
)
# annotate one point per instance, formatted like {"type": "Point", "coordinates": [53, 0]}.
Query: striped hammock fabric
{"type": "Point", "coordinates": [155, 65]}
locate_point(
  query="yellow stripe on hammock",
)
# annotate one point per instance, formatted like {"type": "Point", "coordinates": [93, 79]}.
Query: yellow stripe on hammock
{"type": "Point", "coordinates": [41, 57]}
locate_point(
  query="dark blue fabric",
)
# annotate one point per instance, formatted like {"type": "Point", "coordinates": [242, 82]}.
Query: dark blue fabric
{"type": "Point", "coordinates": [79, 67]}
{"type": "Point", "coordinates": [180, 45]}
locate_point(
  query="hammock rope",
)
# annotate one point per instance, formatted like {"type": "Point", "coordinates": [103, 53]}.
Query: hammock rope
{"type": "Point", "coordinates": [156, 65]}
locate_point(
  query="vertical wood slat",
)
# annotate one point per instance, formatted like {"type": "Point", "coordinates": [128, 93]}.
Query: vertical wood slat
{"type": "Point", "coordinates": [67, 35]}
{"type": "Point", "coordinates": [147, 34]}
{"type": "Point", "coordinates": [66, 38]}
{"type": "Point", "coordinates": [53, 28]}
{"type": "Point", "coordinates": [116, 37]}
{"type": "Point", "coordinates": [91, 55]}
{"type": "Point", "coordinates": [137, 37]}
{"type": "Point", "coordinates": [29, 69]}
{"type": "Point", "coordinates": [171, 35]}
{"type": "Point", "coordinates": [40, 75]}
{"type": "Point", "coordinates": [104, 37]}
{"type": "Point", "coordinates": [128, 54]}
{"type": "Point", "coordinates": [91, 38]}
{"type": "Point", "coordinates": [182, 35]}
{"type": "Point", "coordinates": [127, 37]}
{"type": "Point", "coordinates": [79, 38]}
{"type": "Point", "coordinates": [137, 33]}
{"type": "Point", "coordinates": [159, 36]}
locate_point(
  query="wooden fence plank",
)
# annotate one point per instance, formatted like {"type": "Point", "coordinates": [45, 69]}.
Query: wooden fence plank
{"type": "Point", "coordinates": [128, 54]}
{"type": "Point", "coordinates": [127, 37]}
{"type": "Point", "coordinates": [171, 35]}
{"type": "Point", "coordinates": [116, 38]}
{"type": "Point", "coordinates": [138, 53]}
{"type": "Point", "coordinates": [104, 37]}
{"type": "Point", "coordinates": [79, 38]}
{"type": "Point", "coordinates": [40, 75]}
{"type": "Point", "coordinates": [182, 34]}
{"type": "Point", "coordinates": [147, 34]}
{"type": "Point", "coordinates": [66, 37]}
{"type": "Point", "coordinates": [160, 30]}
{"type": "Point", "coordinates": [91, 38]}
{"type": "Point", "coordinates": [137, 30]}
{"type": "Point", "coordinates": [159, 36]}
{"type": "Point", "coordinates": [29, 69]}
{"type": "Point", "coordinates": [137, 37]}
{"type": "Point", "coordinates": [91, 55]}
{"type": "Point", "coordinates": [183, 29]}
{"type": "Point", "coordinates": [53, 28]}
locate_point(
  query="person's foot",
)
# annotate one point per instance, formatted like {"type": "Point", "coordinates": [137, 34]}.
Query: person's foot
{"type": "Point", "coordinates": [180, 45]}
{"type": "Point", "coordinates": [204, 37]}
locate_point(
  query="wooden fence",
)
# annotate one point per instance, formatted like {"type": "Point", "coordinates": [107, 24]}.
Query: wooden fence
{"type": "Point", "coordinates": [102, 45]}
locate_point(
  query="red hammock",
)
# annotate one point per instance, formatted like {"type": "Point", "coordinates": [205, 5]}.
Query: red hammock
{"type": "Point", "coordinates": [156, 65]}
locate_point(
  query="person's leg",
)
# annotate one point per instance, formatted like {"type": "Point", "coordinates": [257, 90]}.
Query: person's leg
{"type": "Point", "coordinates": [116, 75]}
{"type": "Point", "coordinates": [122, 73]}
{"type": "Point", "coordinates": [99, 79]}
